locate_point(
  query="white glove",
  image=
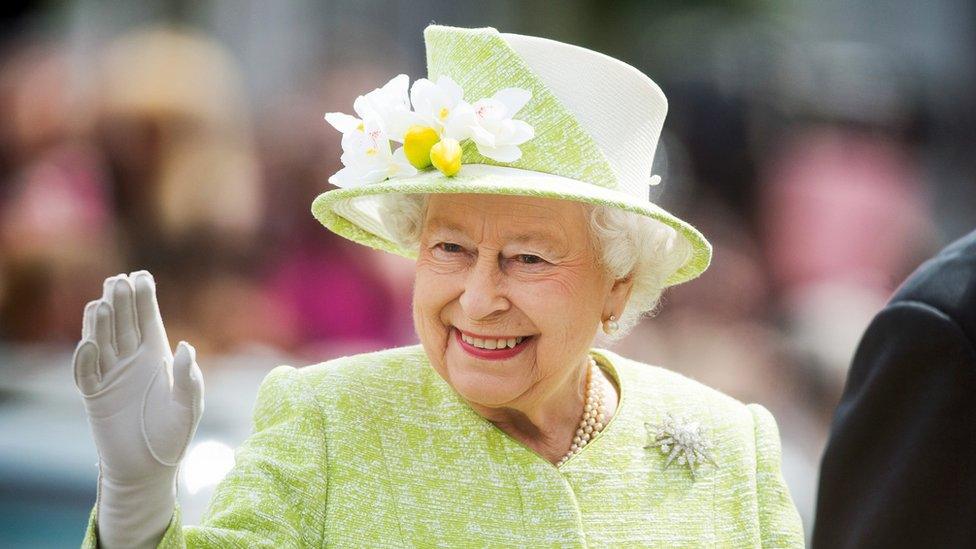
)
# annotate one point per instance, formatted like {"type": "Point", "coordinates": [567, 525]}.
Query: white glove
{"type": "Point", "coordinates": [143, 405]}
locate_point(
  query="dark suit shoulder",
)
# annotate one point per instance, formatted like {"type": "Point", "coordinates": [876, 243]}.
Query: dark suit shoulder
{"type": "Point", "coordinates": [947, 282]}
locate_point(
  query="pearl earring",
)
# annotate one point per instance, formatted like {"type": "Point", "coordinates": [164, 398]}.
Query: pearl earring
{"type": "Point", "coordinates": [610, 325]}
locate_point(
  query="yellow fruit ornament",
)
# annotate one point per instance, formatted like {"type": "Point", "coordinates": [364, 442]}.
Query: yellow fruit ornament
{"type": "Point", "coordinates": [417, 143]}
{"type": "Point", "coordinates": [445, 155]}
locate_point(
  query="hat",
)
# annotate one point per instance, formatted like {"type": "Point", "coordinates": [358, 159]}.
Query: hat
{"type": "Point", "coordinates": [586, 130]}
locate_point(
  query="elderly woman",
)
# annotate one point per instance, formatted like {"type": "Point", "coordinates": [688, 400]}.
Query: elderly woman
{"type": "Point", "coordinates": [521, 190]}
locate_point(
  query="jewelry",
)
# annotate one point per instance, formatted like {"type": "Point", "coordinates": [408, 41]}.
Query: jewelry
{"type": "Point", "coordinates": [594, 413]}
{"type": "Point", "coordinates": [610, 325]}
{"type": "Point", "coordinates": [682, 440]}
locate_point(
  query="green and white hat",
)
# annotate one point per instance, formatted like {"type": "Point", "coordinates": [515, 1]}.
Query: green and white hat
{"type": "Point", "coordinates": [503, 113]}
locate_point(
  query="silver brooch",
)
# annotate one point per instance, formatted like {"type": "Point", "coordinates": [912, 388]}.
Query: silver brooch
{"type": "Point", "coordinates": [682, 440]}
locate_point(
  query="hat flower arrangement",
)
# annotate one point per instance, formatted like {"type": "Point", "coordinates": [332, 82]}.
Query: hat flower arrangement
{"type": "Point", "coordinates": [503, 114]}
{"type": "Point", "coordinates": [433, 125]}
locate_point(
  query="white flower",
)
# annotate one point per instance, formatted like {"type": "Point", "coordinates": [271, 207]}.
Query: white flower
{"type": "Point", "coordinates": [436, 104]}
{"type": "Point", "coordinates": [389, 105]}
{"type": "Point", "coordinates": [349, 124]}
{"type": "Point", "coordinates": [489, 124]}
{"type": "Point", "coordinates": [344, 122]}
{"type": "Point", "coordinates": [440, 116]}
{"type": "Point", "coordinates": [367, 157]}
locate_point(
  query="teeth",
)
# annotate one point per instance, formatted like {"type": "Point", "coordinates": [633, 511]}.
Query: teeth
{"type": "Point", "coordinates": [492, 343]}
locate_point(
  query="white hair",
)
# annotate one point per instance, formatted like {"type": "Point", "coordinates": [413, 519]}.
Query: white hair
{"type": "Point", "coordinates": [629, 244]}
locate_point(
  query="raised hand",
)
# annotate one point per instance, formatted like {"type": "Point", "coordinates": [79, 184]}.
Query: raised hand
{"type": "Point", "coordinates": [143, 404]}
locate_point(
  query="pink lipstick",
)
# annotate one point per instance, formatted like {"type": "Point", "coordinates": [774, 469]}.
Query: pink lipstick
{"type": "Point", "coordinates": [491, 354]}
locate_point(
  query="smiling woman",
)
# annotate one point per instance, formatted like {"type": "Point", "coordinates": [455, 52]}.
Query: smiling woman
{"type": "Point", "coordinates": [504, 426]}
{"type": "Point", "coordinates": [498, 267]}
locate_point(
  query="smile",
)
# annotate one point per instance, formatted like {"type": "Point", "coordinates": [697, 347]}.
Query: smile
{"type": "Point", "coordinates": [491, 348]}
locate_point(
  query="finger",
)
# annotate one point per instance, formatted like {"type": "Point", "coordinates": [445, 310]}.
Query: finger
{"type": "Point", "coordinates": [85, 362]}
{"type": "Point", "coordinates": [88, 321]}
{"type": "Point", "coordinates": [104, 336]}
{"type": "Point", "coordinates": [187, 378]}
{"type": "Point", "coordinates": [126, 327]}
{"type": "Point", "coordinates": [108, 287]}
{"type": "Point", "coordinates": [147, 308]}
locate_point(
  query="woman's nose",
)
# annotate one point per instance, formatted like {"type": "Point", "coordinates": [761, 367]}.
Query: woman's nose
{"type": "Point", "coordinates": [483, 295]}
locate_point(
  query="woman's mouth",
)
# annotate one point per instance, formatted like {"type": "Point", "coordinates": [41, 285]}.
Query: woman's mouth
{"type": "Point", "coordinates": [491, 348]}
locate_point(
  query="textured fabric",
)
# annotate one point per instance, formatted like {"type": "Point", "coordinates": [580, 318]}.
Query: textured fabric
{"type": "Point", "coordinates": [560, 145]}
{"type": "Point", "coordinates": [377, 450]}
{"type": "Point", "coordinates": [564, 159]}
{"type": "Point", "coordinates": [617, 105]}
{"type": "Point", "coordinates": [898, 468]}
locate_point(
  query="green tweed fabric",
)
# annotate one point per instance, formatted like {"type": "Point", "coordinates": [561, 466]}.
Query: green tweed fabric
{"type": "Point", "coordinates": [482, 63]}
{"type": "Point", "coordinates": [377, 450]}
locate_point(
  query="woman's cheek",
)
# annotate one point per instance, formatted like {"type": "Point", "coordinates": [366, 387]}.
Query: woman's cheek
{"type": "Point", "coordinates": [431, 329]}
{"type": "Point", "coordinates": [556, 302]}
{"type": "Point", "coordinates": [433, 294]}
{"type": "Point", "coordinates": [553, 282]}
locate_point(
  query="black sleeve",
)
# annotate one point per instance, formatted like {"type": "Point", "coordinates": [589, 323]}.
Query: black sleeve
{"type": "Point", "coordinates": [900, 467]}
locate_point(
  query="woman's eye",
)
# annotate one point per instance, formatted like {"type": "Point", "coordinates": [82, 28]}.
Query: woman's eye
{"type": "Point", "coordinates": [451, 247]}
{"type": "Point", "coordinates": [529, 258]}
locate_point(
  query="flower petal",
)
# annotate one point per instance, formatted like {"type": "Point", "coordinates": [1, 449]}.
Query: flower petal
{"type": "Point", "coordinates": [389, 105]}
{"type": "Point", "coordinates": [395, 90]}
{"type": "Point", "coordinates": [345, 178]}
{"type": "Point", "coordinates": [375, 175]}
{"type": "Point", "coordinates": [354, 143]}
{"type": "Point", "coordinates": [459, 125]}
{"type": "Point", "coordinates": [392, 95]}
{"type": "Point", "coordinates": [513, 99]}
{"type": "Point", "coordinates": [421, 95]}
{"type": "Point", "coordinates": [401, 167]}
{"type": "Point", "coordinates": [362, 107]}
{"type": "Point", "coordinates": [399, 121]}
{"type": "Point", "coordinates": [452, 92]}
{"type": "Point", "coordinates": [521, 132]}
{"type": "Point", "coordinates": [342, 122]}
{"type": "Point", "coordinates": [489, 110]}
{"type": "Point", "coordinates": [504, 153]}
{"type": "Point", "coordinates": [482, 136]}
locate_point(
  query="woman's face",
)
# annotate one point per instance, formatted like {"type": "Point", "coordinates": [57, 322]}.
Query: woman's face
{"type": "Point", "coordinates": [496, 267]}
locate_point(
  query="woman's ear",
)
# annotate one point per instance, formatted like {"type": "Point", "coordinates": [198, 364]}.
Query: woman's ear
{"type": "Point", "coordinates": [618, 297]}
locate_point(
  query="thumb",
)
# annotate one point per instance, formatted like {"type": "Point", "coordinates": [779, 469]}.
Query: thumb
{"type": "Point", "coordinates": [85, 363]}
{"type": "Point", "coordinates": [187, 379]}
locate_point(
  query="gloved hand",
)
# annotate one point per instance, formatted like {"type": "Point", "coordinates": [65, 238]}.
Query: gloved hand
{"type": "Point", "coordinates": [143, 406]}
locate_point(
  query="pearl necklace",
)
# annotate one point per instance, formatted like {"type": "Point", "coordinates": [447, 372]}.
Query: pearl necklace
{"type": "Point", "coordinates": [594, 414]}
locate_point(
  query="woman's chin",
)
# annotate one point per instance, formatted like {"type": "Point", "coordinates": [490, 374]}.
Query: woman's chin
{"type": "Point", "coordinates": [473, 389]}
{"type": "Point", "coordinates": [486, 382]}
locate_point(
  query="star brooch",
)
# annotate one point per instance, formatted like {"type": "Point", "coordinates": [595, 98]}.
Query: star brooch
{"type": "Point", "coordinates": [682, 440]}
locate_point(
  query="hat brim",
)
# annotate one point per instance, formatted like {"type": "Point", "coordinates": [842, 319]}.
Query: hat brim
{"type": "Point", "coordinates": [353, 212]}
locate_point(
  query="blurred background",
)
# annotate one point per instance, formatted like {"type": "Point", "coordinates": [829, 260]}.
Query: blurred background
{"type": "Point", "coordinates": [825, 148]}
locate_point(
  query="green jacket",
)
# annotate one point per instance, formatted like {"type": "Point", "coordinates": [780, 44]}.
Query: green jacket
{"type": "Point", "coordinates": [377, 450]}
